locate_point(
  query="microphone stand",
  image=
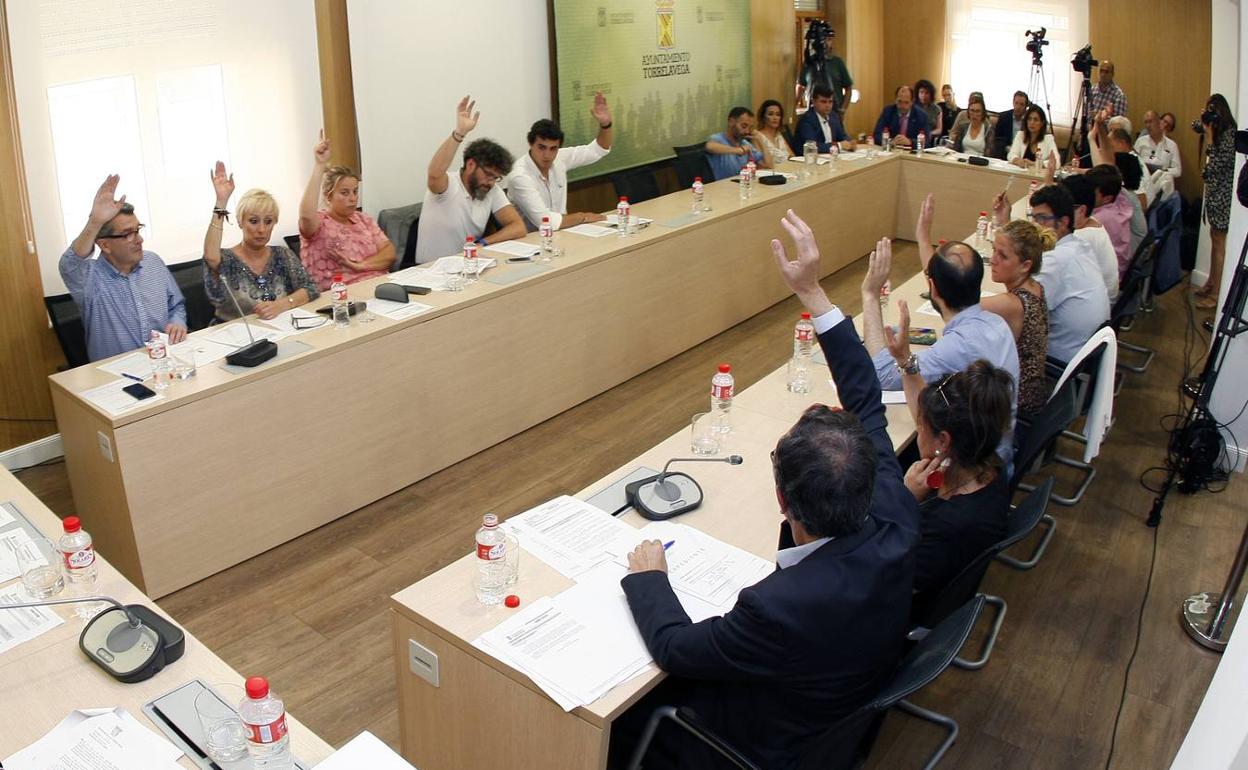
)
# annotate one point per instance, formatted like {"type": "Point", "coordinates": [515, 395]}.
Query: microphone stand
{"type": "Point", "coordinates": [254, 353]}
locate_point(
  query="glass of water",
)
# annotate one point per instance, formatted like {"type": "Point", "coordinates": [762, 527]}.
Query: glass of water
{"type": "Point", "coordinates": [225, 737]}
{"type": "Point", "coordinates": [184, 364]}
{"type": "Point", "coordinates": [704, 438]}
{"type": "Point", "coordinates": [40, 566]}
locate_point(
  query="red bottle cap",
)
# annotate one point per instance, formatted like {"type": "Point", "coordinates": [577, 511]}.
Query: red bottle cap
{"type": "Point", "coordinates": [697, 179]}
{"type": "Point", "coordinates": [725, 368]}
{"type": "Point", "coordinates": [545, 219]}
{"type": "Point", "coordinates": [257, 687]}
{"type": "Point", "coordinates": [71, 524]}
{"type": "Point", "coordinates": [983, 213]}
{"type": "Point", "coordinates": [623, 199]}
{"type": "Point", "coordinates": [805, 316]}
{"type": "Point", "coordinates": [512, 601]}
{"type": "Point", "coordinates": [337, 277]}
{"type": "Point", "coordinates": [469, 239]}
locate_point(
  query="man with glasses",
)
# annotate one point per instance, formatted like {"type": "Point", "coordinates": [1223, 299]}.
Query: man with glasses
{"type": "Point", "coordinates": [127, 293]}
{"type": "Point", "coordinates": [458, 206]}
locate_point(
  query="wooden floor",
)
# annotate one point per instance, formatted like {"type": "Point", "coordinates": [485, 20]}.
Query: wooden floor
{"type": "Point", "coordinates": [311, 614]}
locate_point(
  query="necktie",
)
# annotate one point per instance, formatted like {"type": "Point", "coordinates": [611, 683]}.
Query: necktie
{"type": "Point", "coordinates": [901, 129]}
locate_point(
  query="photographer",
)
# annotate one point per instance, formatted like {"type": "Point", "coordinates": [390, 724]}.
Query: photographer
{"type": "Point", "coordinates": [821, 65]}
{"type": "Point", "coordinates": [1218, 124]}
{"type": "Point", "coordinates": [1106, 93]}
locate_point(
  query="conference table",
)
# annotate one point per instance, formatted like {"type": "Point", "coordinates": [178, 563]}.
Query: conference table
{"type": "Point", "coordinates": [238, 462]}
{"type": "Point", "coordinates": [441, 725]}
{"type": "Point", "coordinates": [47, 677]}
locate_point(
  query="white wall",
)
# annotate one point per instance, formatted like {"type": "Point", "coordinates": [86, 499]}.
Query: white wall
{"type": "Point", "coordinates": [412, 62]}
{"type": "Point", "coordinates": [271, 87]}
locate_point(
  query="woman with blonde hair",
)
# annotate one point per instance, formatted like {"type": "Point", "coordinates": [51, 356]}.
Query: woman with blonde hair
{"type": "Point", "coordinates": [265, 279]}
{"type": "Point", "coordinates": [338, 239]}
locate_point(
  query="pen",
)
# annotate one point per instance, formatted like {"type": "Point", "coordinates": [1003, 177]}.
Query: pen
{"type": "Point", "coordinates": [669, 544]}
{"type": "Point", "coordinates": [132, 377]}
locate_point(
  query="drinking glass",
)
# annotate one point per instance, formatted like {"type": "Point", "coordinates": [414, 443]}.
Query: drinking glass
{"type": "Point", "coordinates": [225, 737]}
{"type": "Point", "coordinates": [704, 438]}
{"type": "Point", "coordinates": [39, 563]}
{"type": "Point", "coordinates": [512, 558]}
{"type": "Point", "coordinates": [184, 364]}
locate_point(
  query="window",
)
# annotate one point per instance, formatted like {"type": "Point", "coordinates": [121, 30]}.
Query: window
{"type": "Point", "coordinates": [808, 6]}
{"type": "Point", "coordinates": [987, 51]}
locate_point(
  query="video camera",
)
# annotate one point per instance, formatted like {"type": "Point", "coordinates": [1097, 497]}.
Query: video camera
{"type": "Point", "coordinates": [817, 35]}
{"type": "Point", "coordinates": [1036, 44]}
{"type": "Point", "coordinates": [1082, 62]}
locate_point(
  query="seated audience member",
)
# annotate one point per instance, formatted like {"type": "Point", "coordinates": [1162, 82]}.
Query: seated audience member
{"type": "Point", "coordinates": [1034, 143]}
{"type": "Point", "coordinates": [1011, 122]}
{"type": "Point", "coordinates": [902, 121]}
{"type": "Point", "coordinates": [1119, 121]}
{"type": "Point", "coordinates": [265, 280]}
{"type": "Point", "coordinates": [538, 184]}
{"type": "Point", "coordinates": [821, 124]}
{"type": "Point", "coordinates": [975, 136]}
{"type": "Point", "coordinates": [1132, 171]}
{"type": "Point", "coordinates": [962, 490]}
{"type": "Point", "coordinates": [1167, 124]}
{"type": "Point", "coordinates": [949, 108]}
{"type": "Point", "coordinates": [1015, 260]}
{"type": "Point", "coordinates": [762, 673]}
{"type": "Point", "coordinates": [925, 101]}
{"type": "Point", "coordinates": [1120, 144]}
{"type": "Point", "coordinates": [954, 275]}
{"type": "Point", "coordinates": [458, 206]}
{"type": "Point", "coordinates": [338, 239]}
{"type": "Point", "coordinates": [1088, 229]}
{"type": "Point", "coordinates": [126, 293]}
{"type": "Point", "coordinates": [961, 119]}
{"type": "Point", "coordinates": [1114, 209]}
{"type": "Point", "coordinates": [1160, 155]}
{"type": "Point", "coordinates": [1073, 288]}
{"type": "Point", "coordinates": [729, 150]}
{"type": "Point", "coordinates": [770, 132]}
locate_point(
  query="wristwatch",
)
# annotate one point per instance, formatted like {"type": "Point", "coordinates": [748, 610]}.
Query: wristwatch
{"type": "Point", "coordinates": [909, 365]}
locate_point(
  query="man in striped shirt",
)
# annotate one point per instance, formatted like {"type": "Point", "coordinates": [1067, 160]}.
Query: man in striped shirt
{"type": "Point", "coordinates": [127, 293]}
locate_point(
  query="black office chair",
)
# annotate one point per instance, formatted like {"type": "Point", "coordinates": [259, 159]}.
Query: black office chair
{"type": "Point", "coordinates": [67, 324]}
{"type": "Point", "coordinates": [639, 184]}
{"type": "Point", "coordinates": [190, 279]}
{"type": "Point", "coordinates": [292, 242]}
{"type": "Point", "coordinates": [691, 162]}
{"type": "Point", "coordinates": [1131, 298]}
{"type": "Point", "coordinates": [400, 224]}
{"type": "Point", "coordinates": [843, 746]}
{"type": "Point", "coordinates": [1021, 522]}
{"type": "Point", "coordinates": [791, 141]}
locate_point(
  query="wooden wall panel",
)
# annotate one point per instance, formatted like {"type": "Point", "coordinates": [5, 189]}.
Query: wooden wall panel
{"type": "Point", "coordinates": [773, 53]}
{"type": "Point", "coordinates": [25, 402]}
{"type": "Point", "coordinates": [914, 43]}
{"type": "Point", "coordinates": [337, 94]}
{"type": "Point", "coordinates": [864, 55]}
{"type": "Point", "coordinates": [1172, 78]}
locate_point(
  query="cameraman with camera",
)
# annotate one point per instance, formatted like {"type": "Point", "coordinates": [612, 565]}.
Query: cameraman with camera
{"type": "Point", "coordinates": [1217, 123]}
{"type": "Point", "coordinates": [820, 65]}
{"type": "Point", "coordinates": [1106, 92]}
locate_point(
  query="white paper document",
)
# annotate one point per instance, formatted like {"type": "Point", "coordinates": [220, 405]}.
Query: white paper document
{"type": "Point", "coordinates": [515, 248]}
{"type": "Point", "coordinates": [568, 534]}
{"type": "Point", "coordinates": [893, 396]}
{"type": "Point", "coordinates": [613, 221]}
{"type": "Point", "coordinates": [17, 626]}
{"type": "Point", "coordinates": [591, 230]}
{"type": "Point", "coordinates": [136, 363]}
{"type": "Point", "coordinates": [285, 321]}
{"type": "Point", "coordinates": [235, 335]}
{"type": "Point", "coordinates": [397, 310]}
{"type": "Point", "coordinates": [927, 309]}
{"type": "Point", "coordinates": [97, 739]}
{"type": "Point", "coordinates": [820, 160]}
{"type": "Point", "coordinates": [364, 750]}
{"type": "Point", "coordinates": [8, 513]}
{"type": "Point", "coordinates": [424, 276]}
{"type": "Point", "coordinates": [112, 399]}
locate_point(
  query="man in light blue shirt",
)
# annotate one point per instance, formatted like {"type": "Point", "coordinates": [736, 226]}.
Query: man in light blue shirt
{"type": "Point", "coordinates": [729, 151]}
{"type": "Point", "coordinates": [127, 293]}
{"type": "Point", "coordinates": [954, 275]}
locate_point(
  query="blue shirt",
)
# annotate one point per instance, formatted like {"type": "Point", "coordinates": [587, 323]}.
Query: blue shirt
{"type": "Point", "coordinates": [725, 166]}
{"type": "Point", "coordinates": [1075, 293]}
{"type": "Point", "coordinates": [119, 311]}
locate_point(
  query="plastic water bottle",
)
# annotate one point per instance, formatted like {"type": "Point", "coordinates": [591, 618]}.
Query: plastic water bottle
{"type": "Point", "coordinates": [547, 234]}
{"type": "Point", "coordinates": [751, 171]}
{"type": "Point", "coordinates": [921, 141]}
{"type": "Point", "coordinates": [834, 154]}
{"type": "Point", "coordinates": [803, 350]}
{"type": "Point", "coordinates": [981, 231]}
{"type": "Point", "coordinates": [699, 195]}
{"type": "Point", "coordinates": [721, 399]}
{"type": "Point", "coordinates": [886, 140]}
{"type": "Point", "coordinates": [338, 296]}
{"type": "Point", "coordinates": [264, 718]}
{"type": "Point", "coordinates": [810, 157]}
{"type": "Point", "coordinates": [158, 354]}
{"type": "Point", "coordinates": [471, 264]}
{"type": "Point", "coordinates": [1031, 190]}
{"type": "Point", "coordinates": [78, 561]}
{"type": "Point", "coordinates": [492, 573]}
{"type": "Point", "coordinates": [623, 216]}
{"type": "Point", "coordinates": [886, 292]}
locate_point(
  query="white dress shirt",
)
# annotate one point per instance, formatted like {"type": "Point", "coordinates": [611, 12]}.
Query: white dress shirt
{"type": "Point", "coordinates": [1075, 294]}
{"type": "Point", "coordinates": [447, 219]}
{"type": "Point", "coordinates": [536, 196]}
{"type": "Point", "coordinates": [1047, 147]}
{"type": "Point", "coordinates": [787, 557]}
{"type": "Point", "coordinates": [1106, 257]}
{"type": "Point", "coordinates": [1162, 155]}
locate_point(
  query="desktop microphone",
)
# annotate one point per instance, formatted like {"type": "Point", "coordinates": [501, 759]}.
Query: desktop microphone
{"type": "Point", "coordinates": [255, 353]}
{"type": "Point", "coordinates": [129, 641]}
{"type": "Point", "coordinates": [667, 494]}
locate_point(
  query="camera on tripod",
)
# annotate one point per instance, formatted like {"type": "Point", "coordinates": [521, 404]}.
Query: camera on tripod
{"type": "Point", "coordinates": [1036, 44]}
{"type": "Point", "coordinates": [817, 35]}
{"type": "Point", "coordinates": [1082, 62]}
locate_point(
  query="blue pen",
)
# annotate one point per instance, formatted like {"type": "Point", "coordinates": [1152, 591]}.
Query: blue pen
{"type": "Point", "coordinates": [131, 376]}
{"type": "Point", "coordinates": [669, 544]}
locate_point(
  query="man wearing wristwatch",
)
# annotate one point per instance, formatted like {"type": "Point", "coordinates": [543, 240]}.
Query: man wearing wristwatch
{"type": "Point", "coordinates": [729, 151]}
{"type": "Point", "coordinates": [459, 205]}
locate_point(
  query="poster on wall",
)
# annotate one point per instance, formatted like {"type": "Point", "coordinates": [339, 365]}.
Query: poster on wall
{"type": "Point", "coordinates": [670, 69]}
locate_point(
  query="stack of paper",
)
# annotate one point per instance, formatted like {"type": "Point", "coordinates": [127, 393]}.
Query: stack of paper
{"type": "Point", "coordinates": [236, 335]}
{"type": "Point", "coordinates": [112, 398]}
{"type": "Point", "coordinates": [364, 750]}
{"type": "Point", "coordinates": [515, 248]}
{"type": "Point", "coordinates": [568, 534]}
{"type": "Point", "coordinates": [285, 322]}
{"type": "Point", "coordinates": [397, 310]}
{"type": "Point", "coordinates": [97, 738]}
{"type": "Point", "coordinates": [433, 275]}
{"type": "Point", "coordinates": [22, 625]}
{"type": "Point", "coordinates": [590, 230]}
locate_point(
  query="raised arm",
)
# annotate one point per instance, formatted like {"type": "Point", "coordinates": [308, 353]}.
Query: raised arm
{"type": "Point", "coordinates": [602, 113]}
{"type": "Point", "coordinates": [103, 208]}
{"type": "Point", "coordinates": [880, 264]}
{"type": "Point", "coordinates": [1097, 140]}
{"type": "Point", "coordinates": [309, 222]}
{"type": "Point", "coordinates": [223, 185]}
{"type": "Point", "coordinates": [923, 230]}
{"type": "Point", "coordinates": [899, 348]}
{"type": "Point", "coordinates": [466, 118]}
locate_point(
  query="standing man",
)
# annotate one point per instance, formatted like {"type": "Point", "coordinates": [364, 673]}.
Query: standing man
{"type": "Point", "coordinates": [902, 122]}
{"type": "Point", "coordinates": [1106, 93]}
{"type": "Point", "coordinates": [822, 66]}
{"type": "Point", "coordinates": [821, 123]}
{"type": "Point", "coordinates": [459, 205]}
{"type": "Point", "coordinates": [729, 150]}
{"type": "Point", "coordinates": [1009, 123]}
{"type": "Point", "coordinates": [127, 293]}
{"type": "Point", "coordinates": [538, 187]}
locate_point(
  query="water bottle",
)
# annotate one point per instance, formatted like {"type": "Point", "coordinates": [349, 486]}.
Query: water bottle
{"type": "Point", "coordinates": [622, 216]}
{"type": "Point", "coordinates": [78, 560]}
{"type": "Point", "coordinates": [834, 154]}
{"type": "Point", "coordinates": [1031, 190]}
{"type": "Point", "coordinates": [886, 292]}
{"type": "Point", "coordinates": [803, 350]}
{"type": "Point", "coordinates": [751, 173]}
{"type": "Point", "coordinates": [981, 231]}
{"type": "Point", "coordinates": [471, 263]}
{"type": "Point", "coordinates": [492, 573]}
{"type": "Point", "coordinates": [721, 399]}
{"type": "Point", "coordinates": [921, 141]}
{"type": "Point", "coordinates": [338, 295]}
{"type": "Point", "coordinates": [548, 239]}
{"type": "Point", "coordinates": [810, 156]}
{"type": "Point", "coordinates": [886, 140]}
{"type": "Point", "coordinates": [264, 718]}
{"type": "Point", "coordinates": [698, 195]}
{"type": "Point", "coordinates": [158, 354]}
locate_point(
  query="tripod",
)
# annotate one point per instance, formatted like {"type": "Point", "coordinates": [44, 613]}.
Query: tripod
{"type": "Point", "coordinates": [1081, 115]}
{"type": "Point", "coordinates": [1038, 85]}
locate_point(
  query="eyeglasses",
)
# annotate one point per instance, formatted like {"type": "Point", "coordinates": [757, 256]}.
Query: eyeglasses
{"type": "Point", "coordinates": [940, 388]}
{"type": "Point", "coordinates": [303, 322]}
{"type": "Point", "coordinates": [128, 235]}
{"type": "Point", "coordinates": [1043, 219]}
{"type": "Point", "coordinates": [492, 176]}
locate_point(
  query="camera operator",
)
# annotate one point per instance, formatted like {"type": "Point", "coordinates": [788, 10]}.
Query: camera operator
{"type": "Point", "coordinates": [1217, 123]}
{"type": "Point", "coordinates": [1106, 93]}
{"type": "Point", "coordinates": [821, 65]}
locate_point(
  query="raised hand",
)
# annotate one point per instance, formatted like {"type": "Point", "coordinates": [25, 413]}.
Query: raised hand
{"type": "Point", "coordinates": [104, 207]}
{"type": "Point", "coordinates": [923, 229]}
{"type": "Point", "coordinates": [465, 116]}
{"type": "Point", "coordinates": [600, 110]}
{"type": "Point", "coordinates": [222, 184]}
{"type": "Point", "coordinates": [1000, 208]}
{"type": "Point", "coordinates": [321, 151]}
{"type": "Point", "coordinates": [878, 268]}
{"type": "Point", "coordinates": [898, 340]}
{"type": "Point", "coordinates": [802, 275]}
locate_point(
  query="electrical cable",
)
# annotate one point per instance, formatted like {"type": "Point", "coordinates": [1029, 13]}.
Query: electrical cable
{"type": "Point", "coordinates": [1139, 632]}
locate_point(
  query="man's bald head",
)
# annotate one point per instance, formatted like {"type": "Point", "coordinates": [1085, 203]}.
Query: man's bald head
{"type": "Point", "coordinates": [956, 271]}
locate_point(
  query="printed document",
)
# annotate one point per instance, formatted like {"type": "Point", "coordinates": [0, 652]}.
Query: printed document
{"type": "Point", "coordinates": [568, 534]}
{"type": "Point", "coordinates": [97, 739]}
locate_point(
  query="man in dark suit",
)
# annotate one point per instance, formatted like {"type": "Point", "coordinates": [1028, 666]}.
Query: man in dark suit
{"type": "Point", "coordinates": [821, 124]}
{"type": "Point", "coordinates": [1009, 123]}
{"type": "Point", "coordinates": [814, 640]}
{"type": "Point", "coordinates": [902, 121]}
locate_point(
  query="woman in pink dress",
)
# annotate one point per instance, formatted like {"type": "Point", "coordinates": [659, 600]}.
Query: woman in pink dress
{"type": "Point", "coordinates": [338, 239]}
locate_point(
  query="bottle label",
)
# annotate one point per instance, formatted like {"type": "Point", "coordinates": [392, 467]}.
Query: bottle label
{"type": "Point", "coordinates": [340, 295]}
{"type": "Point", "coordinates": [156, 350]}
{"type": "Point", "coordinates": [271, 733]}
{"type": "Point", "coordinates": [491, 552]}
{"type": "Point", "coordinates": [80, 559]}
{"type": "Point", "coordinates": [545, 230]}
{"type": "Point", "coordinates": [804, 334]}
{"type": "Point", "coordinates": [721, 391]}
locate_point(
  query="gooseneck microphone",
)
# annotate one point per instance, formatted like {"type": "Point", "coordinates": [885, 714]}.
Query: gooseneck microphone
{"type": "Point", "coordinates": [254, 353]}
{"type": "Point", "coordinates": [670, 494]}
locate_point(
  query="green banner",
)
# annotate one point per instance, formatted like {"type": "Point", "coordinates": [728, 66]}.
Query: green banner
{"type": "Point", "coordinates": [670, 70]}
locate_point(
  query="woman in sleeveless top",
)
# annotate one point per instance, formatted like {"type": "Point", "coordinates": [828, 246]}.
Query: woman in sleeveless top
{"type": "Point", "coordinates": [1016, 257]}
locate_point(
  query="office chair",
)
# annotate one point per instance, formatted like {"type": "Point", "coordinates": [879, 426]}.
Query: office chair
{"type": "Point", "coordinates": [691, 162]}
{"type": "Point", "coordinates": [292, 243]}
{"type": "Point", "coordinates": [190, 279]}
{"type": "Point", "coordinates": [70, 332]}
{"type": "Point", "coordinates": [639, 184]}
{"type": "Point", "coordinates": [1131, 298]}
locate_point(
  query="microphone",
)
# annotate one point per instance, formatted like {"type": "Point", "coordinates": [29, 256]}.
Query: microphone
{"type": "Point", "coordinates": [129, 641]}
{"type": "Point", "coordinates": [669, 491]}
{"type": "Point", "coordinates": [255, 353]}
{"type": "Point", "coordinates": [670, 494]}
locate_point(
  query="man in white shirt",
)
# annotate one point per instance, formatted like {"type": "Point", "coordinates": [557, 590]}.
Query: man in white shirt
{"type": "Point", "coordinates": [458, 206]}
{"type": "Point", "coordinates": [1160, 153]}
{"type": "Point", "coordinates": [1088, 229]}
{"type": "Point", "coordinates": [538, 186]}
